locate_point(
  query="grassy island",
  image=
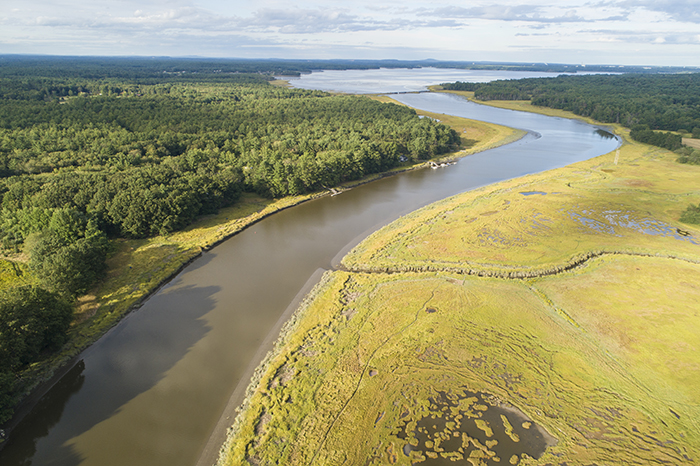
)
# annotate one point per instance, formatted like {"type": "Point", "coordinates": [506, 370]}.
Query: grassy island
{"type": "Point", "coordinates": [550, 319]}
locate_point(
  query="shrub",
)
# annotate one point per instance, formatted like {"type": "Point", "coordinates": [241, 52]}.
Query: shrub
{"type": "Point", "coordinates": [691, 214]}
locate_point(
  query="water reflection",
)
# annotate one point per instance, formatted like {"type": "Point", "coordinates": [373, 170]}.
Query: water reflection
{"type": "Point", "coordinates": [21, 446]}
{"type": "Point", "coordinates": [150, 344]}
{"type": "Point", "coordinates": [605, 134]}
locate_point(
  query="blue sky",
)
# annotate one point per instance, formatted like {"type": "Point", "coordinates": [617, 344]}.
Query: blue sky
{"type": "Point", "coordinates": [628, 32]}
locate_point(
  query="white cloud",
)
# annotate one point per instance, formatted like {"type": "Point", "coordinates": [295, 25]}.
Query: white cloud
{"type": "Point", "coordinates": [444, 29]}
{"type": "Point", "coordinates": [683, 11]}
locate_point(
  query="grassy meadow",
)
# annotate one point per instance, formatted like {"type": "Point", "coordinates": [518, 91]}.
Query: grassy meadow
{"type": "Point", "coordinates": [568, 300]}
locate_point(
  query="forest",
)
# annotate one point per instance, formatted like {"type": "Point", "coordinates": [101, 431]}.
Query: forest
{"type": "Point", "coordinates": [87, 157]}
{"type": "Point", "coordinates": [167, 68]}
{"type": "Point", "coordinates": [655, 106]}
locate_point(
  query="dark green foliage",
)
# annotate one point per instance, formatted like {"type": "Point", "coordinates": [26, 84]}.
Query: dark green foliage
{"type": "Point", "coordinates": [68, 256]}
{"type": "Point", "coordinates": [669, 141]}
{"type": "Point", "coordinates": [7, 398]}
{"type": "Point", "coordinates": [691, 214]}
{"type": "Point", "coordinates": [151, 159]}
{"type": "Point", "coordinates": [32, 320]}
{"type": "Point", "coordinates": [69, 268]}
{"type": "Point", "coordinates": [460, 86]}
{"type": "Point", "coordinates": [506, 90]}
{"type": "Point", "coordinates": [688, 155]}
{"type": "Point", "coordinates": [655, 102]}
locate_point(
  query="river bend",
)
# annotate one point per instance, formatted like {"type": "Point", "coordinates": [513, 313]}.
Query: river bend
{"type": "Point", "coordinates": [151, 390]}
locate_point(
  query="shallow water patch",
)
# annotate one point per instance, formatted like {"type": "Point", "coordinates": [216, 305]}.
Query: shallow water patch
{"type": "Point", "coordinates": [468, 425]}
{"type": "Point", "coordinates": [611, 221]}
{"type": "Point", "coordinates": [531, 193]}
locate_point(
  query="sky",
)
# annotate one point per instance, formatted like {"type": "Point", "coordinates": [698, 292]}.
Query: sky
{"type": "Point", "coordinates": [627, 32]}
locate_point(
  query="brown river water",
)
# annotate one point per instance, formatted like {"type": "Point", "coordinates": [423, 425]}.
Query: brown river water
{"type": "Point", "coordinates": [152, 390]}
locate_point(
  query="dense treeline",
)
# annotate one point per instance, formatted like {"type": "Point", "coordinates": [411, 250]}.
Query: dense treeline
{"type": "Point", "coordinates": [643, 133]}
{"type": "Point", "coordinates": [32, 321]}
{"type": "Point", "coordinates": [199, 69]}
{"type": "Point", "coordinates": [86, 157]}
{"type": "Point", "coordinates": [645, 103]}
{"type": "Point", "coordinates": [151, 163]}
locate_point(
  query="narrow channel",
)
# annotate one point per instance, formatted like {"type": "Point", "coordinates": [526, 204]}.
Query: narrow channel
{"type": "Point", "coordinates": [151, 391]}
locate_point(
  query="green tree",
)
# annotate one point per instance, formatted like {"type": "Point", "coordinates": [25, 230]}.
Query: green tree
{"type": "Point", "coordinates": [691, 214]}
{"type": "Point", "coordinates": [69, 256]}
{"type": "Point", "coordinates": [7, 398]}
{"type": "Point", "coordinates": [32, 320]}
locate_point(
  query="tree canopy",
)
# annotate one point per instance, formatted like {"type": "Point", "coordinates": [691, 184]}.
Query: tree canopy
{"type": "Point", "coordinates": [645, 103]}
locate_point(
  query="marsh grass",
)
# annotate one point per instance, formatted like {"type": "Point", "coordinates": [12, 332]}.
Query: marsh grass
{"type": "Point", "coordinates": [603, 355]}
{"type": "Point", "coordinates": [588, 207]}
{"type": "Point", "coordinates": [489, 335]}
{"type": "Point", "coordinates": [694, 143]}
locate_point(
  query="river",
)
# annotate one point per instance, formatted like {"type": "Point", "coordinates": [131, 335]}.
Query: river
{"type": "Point", "coordinates": [151, 391]}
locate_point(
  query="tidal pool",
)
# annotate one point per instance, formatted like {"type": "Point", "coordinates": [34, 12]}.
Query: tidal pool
{"type": "Point", "coordinates": [471, 425]}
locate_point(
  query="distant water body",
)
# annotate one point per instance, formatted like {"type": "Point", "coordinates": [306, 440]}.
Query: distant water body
{"type": "Point", "coordinates": [390, 80]}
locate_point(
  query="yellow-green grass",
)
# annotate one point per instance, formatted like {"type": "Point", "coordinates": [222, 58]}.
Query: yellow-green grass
{"type": "Point", "coordinates": [590, 207]}
{"type": "Point", "coordinates": [281, 83]}
{"type": "Point", "coordinates": [13, 273]}
{"type": "Point", "coordinates": [372, 349]}
{"type": "Point", "coordinates": [599, 346]}
{"type": "Point", "coordinates": [646, 312]}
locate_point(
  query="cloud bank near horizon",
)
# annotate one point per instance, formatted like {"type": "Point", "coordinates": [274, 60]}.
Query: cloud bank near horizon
{"type": "Point", "coordinates": [646, 32]}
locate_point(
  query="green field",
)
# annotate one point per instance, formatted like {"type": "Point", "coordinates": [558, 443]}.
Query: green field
{"type": "Point", "coordinates": [565, 302]}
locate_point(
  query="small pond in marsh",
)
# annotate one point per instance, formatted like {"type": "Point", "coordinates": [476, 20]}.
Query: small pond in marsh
{"type": "Point", "coordinates": [472, 425]}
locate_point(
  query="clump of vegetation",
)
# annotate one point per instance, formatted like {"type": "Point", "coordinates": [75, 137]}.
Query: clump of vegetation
{"type": "Point", "coordinates": [667, 140]}
{"type": "Point", "coordinates": [691, 214]}
{"type": "Point", "coordinates": [32, 321]}
{"type": "Point", "coordinates": [689, 155]}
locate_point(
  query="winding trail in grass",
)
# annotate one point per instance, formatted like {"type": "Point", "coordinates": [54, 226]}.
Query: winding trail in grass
{"type": "Point", "coordinates": [575, 263]}
{"type": "Point", "coordinates": [364, 371]}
